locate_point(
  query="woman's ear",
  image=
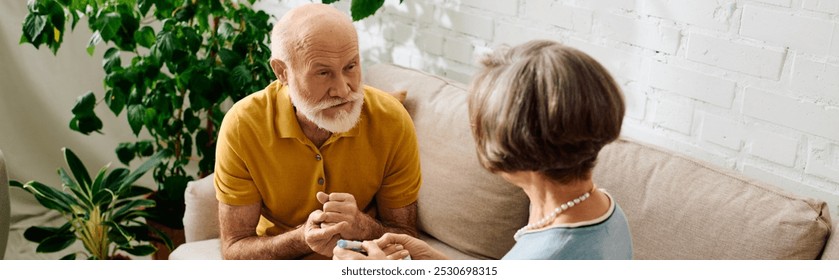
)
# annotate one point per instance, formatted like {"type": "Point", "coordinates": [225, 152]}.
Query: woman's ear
{"type": "Point", "coordinates": [280, 70]}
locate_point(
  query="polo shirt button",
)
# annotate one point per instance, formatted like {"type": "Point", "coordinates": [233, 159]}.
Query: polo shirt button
{"type": "Point", "coordinates": [318, 157]}
{"type": "Point", "coordinates": [320, 181]}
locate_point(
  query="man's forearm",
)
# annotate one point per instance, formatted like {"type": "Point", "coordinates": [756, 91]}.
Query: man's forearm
{"type": "Point", "coordinates": [289, 245]}
{"type": "Point", "coordinates": [376, 228]}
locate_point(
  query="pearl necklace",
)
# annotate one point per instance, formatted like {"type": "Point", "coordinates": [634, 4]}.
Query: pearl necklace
{"type": "Point", "coordinates": [550, 217]}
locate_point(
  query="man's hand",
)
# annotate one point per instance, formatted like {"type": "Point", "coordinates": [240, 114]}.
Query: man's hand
{"type": "Point", "coordinates": [341, 208]}
{"type": "Point", "coordinates": [322, 239]}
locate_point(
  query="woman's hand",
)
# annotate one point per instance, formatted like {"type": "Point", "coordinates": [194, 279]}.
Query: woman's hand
{"type": "Point", "coordinates": [374, 252]}
{"type": "Point", "coordinates": [418, 249]}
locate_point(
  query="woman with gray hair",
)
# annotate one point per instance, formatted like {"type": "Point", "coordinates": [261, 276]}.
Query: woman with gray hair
{"type": "Point", "coordinates": [540, 114]}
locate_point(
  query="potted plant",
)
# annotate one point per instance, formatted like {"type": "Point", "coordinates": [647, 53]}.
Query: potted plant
{"type": "Point", "coordinates": [103, 212]}
{"type": "Point", "coordinates": [170, 66]}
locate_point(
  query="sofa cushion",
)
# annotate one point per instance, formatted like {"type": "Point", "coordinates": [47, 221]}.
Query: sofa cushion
{"type": "Point", "coordinates": [460, 203]}
{"type": "Point", "coordinates": [201, 210]}
{"type": "Point", "coordinates": [679, 208]}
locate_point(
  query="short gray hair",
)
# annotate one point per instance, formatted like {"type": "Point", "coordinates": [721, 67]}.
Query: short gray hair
{"type": "Point", "coordinates": [542, 106]}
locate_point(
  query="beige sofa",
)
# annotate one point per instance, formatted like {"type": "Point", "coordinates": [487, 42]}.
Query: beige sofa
{"type": "Point", "coordinates": [678, 208]}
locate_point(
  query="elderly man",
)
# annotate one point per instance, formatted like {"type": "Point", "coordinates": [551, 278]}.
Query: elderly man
{"type": "Point", "coordinates": [315, 156]}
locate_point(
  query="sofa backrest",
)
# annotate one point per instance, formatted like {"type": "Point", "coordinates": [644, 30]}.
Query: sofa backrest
{"type": "Point", "coordinates": [677, 208]}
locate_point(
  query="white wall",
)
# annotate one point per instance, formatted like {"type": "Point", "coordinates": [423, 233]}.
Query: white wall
{"type": "Point", "coordinates": [751, 86]}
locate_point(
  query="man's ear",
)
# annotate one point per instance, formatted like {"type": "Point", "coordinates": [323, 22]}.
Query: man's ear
{"type": "Point", "coordinates": [280, 70]}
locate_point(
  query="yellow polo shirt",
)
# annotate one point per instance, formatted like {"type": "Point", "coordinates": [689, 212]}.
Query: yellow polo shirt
{"type": "Point", "coordinates": [263, 156]}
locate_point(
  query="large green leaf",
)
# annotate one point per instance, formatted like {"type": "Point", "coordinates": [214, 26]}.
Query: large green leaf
{"type": "Point", "coordinates": [16, 184]}
{"type": "Point", "coordinates": [145, 37]}
{"type": "Point", "coordinates": [240, 77]}
{"type": "Point", "coordinates": [117, 234]}
{"type": "Point", "coordinates": [56, 243]}
{"type": "Point", "coordinates": [78, 169]}
{"type": "Point", "coordinates": [363, 8]}
{"type": "Point", "coordinates": [167, 42]}
{"type": "Point", "coordinates": [108, 25]}
{"type": "Point", "coordinates": [33, 26]}
{"type": "Point", "coordinates": [111, 59]}
{"type": "Point", "coordinates": [85, 104]}
{"type": "Point", "coordinates": [38, 234]}
{"type": "Point", "coordinates": [115, 98]}
{"type": "Point", "coordinates": [125, 152]}
{"type": "Point", "coordinates": [136, 117]}
{"type": "Point", "coordinates": [114, 179]}
{"type": "Point", "coordinates": [75, 188]}
{"type": "Point", "coordinates": [229, 58]}
{"type": "Point", "coordinates": [50, 198]}
{"type": "Point", "coordinates": [86, 124]}
{"type": "Point", "coordinates": [134, 205]}
{"type": "Point", "coordinates": [96, 187]}
{"type": "Point", "coordinates": [103, 198]}
{"type": "Point", "coordinates": [153, 161]}
{"type": "Point", "coordinates": [144, 148]}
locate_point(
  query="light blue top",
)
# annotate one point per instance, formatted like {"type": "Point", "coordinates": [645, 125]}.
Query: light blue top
{"type": "Point", "coordinates": [605, 238]}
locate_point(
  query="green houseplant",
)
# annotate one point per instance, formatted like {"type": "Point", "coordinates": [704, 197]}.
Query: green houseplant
{"type": "Point", "coordinates": [170, 66]}
{"type": "Point", "coordinates": [103, 212]}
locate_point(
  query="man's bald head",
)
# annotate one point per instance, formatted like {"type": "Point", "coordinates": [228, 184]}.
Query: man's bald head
{"type": "Point", "coordinates": [308, 25]}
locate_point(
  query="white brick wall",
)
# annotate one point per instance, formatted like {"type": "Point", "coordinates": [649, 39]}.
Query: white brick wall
{"type": "Point", "coordinates": [787, 111]}
{"type": "Point", "coordinates": [675, 115]}
{"type": "Point", "coordinates": [710, 14]}
{"type": "Point", "coordinates": [823, 160]}
{"type": "Point", "coordinates": [834, 48]}
{"type": "Point", "coordinates": [688, 83]}
{"type": "Point", "coordinates": [815, 80]}
{"type": "Point", "coordinates": [722, 132]}
{"type": "Point", "coordinates": [828, 6]}
{"type": "Point", "coordinates": [786, 29]}
{"type": "Point", "coordinates": [775, 147]}
{"type": "Point", "coordinates": [748, 85]}
{"type": "Point", "coordinates": [645, 34]}
{"type": "Point", "coordinates": [735, 55]}
{"type": "Point", "coordinates": [784, 3]}
{"type": "Point", "coordinates": [467, 23]}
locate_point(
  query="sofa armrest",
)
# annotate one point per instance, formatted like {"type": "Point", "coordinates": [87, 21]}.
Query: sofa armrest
{"type": "Point", "coordinates": [201, 210]}
{"type": "Point", "coordinates": [831, 249]}
{"type": "Point", "coordinates": [209, 249]}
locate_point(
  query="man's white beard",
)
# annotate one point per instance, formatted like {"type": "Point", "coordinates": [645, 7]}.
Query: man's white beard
{"type": "Point", "coordinates": [342, 120]}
